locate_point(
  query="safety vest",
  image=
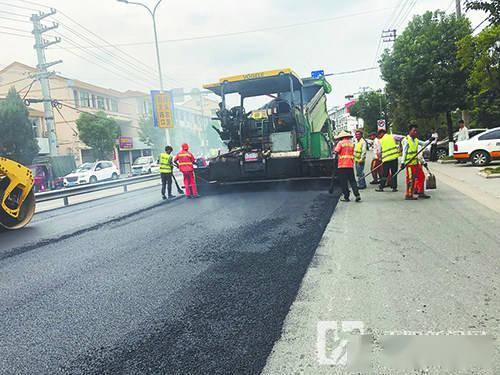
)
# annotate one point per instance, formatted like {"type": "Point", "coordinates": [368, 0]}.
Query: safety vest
{"type": "Point", "coordinates": [358, 150]}
{"type": "Point", "coordinates": [412, 151]}
{"type": "Point", "coordinates": [390, 150]}
{"type": "Point", "coordinates": [165, 165]}
{"type": "Point", "coordinates": [185, 161]}
{"type": "Point", "coordinates": [346, 156]}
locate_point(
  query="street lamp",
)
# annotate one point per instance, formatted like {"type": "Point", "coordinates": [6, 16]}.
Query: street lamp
{"type": "Point", "coordinates": [153, 16]}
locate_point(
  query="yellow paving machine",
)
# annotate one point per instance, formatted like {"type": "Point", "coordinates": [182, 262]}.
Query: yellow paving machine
{"type": "Point", "coordinates": [17, 199]}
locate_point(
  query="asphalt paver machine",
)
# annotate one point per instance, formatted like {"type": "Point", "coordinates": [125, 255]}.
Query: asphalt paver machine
{"type": "Point", "coordinates": [17, 199]}
{"type": "Point", "coordinates": [288, 137]}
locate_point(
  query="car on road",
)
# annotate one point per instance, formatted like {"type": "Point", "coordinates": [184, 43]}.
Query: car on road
{"type": "Point", "coordinates": [90, 173]}
{"type": "Point", "coordinates": [480, 149]}
{"type": "Point", "coordinates": [444, 144]}
{"type": "Point", "coordinates": [145, 165]}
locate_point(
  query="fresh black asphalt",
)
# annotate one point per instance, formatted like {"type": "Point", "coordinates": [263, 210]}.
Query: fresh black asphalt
{"type": "Point", "coordinates": [125, 285]}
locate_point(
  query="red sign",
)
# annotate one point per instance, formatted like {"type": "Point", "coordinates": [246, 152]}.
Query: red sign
{"type": "Point", "coordinates": [126, 143]}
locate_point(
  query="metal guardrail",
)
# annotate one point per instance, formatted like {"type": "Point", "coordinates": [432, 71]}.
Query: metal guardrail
{"type": "Point", "coordinates": [66, 193]}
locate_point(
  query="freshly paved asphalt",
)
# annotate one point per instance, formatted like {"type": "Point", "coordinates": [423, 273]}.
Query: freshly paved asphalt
{"type": "Point", "coordinates": [128, 284]}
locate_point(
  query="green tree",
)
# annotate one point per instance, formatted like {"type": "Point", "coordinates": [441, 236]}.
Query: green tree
{"type": "Point", "coordinates": [99, 132]}
{"type": "Point", "coordinates": [371, 106]}
{"type": "Point", "coordinates": [151, 136]}
{"type": "Point", "coordinates": [17, 141]}
{"type": "Point", "coordinates": [423, 74]}
{"type": "Point", "coordinates": [480, 56]}
{"type": "Point", "coordinates": [491, 7]}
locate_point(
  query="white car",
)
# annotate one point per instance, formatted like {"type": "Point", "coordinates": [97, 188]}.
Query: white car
{"type": "Point", "coordinates": [90, 173]}
{"type": "Point", "coordinates": [480, 149]}
{"type": "Point", "coordinates": [145, 165]}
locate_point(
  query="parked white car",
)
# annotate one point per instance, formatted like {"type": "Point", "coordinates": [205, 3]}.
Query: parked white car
{"type": "Point", "coordinates": [480, 149]}
{"type": "Point", "coordinates": [145, 165]}
{"type": "Point", "coordinates": [90, 173]}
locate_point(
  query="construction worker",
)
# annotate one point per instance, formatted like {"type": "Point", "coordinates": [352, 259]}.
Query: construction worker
{"type": "Point", "coordinates": [412, 161]}
{"type": "Point", "coordinates": [185, 162]}
{"type": "Point", "coordinates": [344, 152]}
{"type": "Point", "coordinates": [376, 161]}
{"type": "Point", "coordinates": [166, 170]}
{"type": "Point", "coordinates": [360, 149]}
{"type": "Point", "coordinates": [390, 153]}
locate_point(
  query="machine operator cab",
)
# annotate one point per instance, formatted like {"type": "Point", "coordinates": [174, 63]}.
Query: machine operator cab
{"type": "Point", "coordinates": [278, 129]}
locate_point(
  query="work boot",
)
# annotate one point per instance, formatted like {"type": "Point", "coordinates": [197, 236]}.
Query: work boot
{"type": "Point", "coordinates": [379, 189]}
{"type": "Point", "coordinates": [358, 198]}
{"type": "Point", "coordinates": [189, 197]}
{"type": "Point", "coordinates": [423, 196]}
{"type": "Point", "coordinates": [171, 196]}
{"type": "Point", "coordinates": [411, 198]}
{"type": "Point", "coordinates": [394, 190]}
{"type": "Point", "coordinates": [163, 197]}
{"type": "Point", "coordinates": [374, 182]}
{"type": "Point", "coordinates": [344, 199]}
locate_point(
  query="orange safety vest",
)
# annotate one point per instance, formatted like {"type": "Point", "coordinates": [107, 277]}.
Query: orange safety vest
{"type": "Point", "coordinates": [346, 155]}
{"type": "Point", "coordinates": [185, 160]}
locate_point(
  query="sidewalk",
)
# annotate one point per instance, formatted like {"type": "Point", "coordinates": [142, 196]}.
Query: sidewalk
{"type": "Point", "coordinates": [392, 265]}
{"type": "Point", "coordinates": [465, 178]}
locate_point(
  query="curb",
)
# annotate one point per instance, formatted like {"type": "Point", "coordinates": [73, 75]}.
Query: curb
{"type": "Point", "coordinates": [488, 175]}
{"type": "Point", "coordinates": [441, 161]}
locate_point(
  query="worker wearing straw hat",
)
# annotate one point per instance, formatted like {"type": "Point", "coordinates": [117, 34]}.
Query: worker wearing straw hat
{"type": "Point", "coordinates": [345, 155]}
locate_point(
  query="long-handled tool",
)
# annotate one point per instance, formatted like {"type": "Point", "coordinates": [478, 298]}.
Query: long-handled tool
{"type": "Point", "coordinates": [179, 190]}
{"type": "Point", "coordinates": [415, 156]}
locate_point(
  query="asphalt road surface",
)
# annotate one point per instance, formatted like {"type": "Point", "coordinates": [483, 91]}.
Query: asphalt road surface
{"type": "Point", "coordinates": [129, 284]}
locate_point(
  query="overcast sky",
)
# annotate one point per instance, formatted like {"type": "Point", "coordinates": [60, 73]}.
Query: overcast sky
{"type": "Point", "coordinates": [346, 39]}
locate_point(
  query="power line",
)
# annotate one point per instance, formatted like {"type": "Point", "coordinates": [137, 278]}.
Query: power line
{"type": "Point", "coordinates": [14, 19]}
{"type": "Point", "coordinates": [15, 29]}
{"type": "Point", "coordinates": [403, 20]}
{"type": "Point", "coordinates": [18, 6]}
{"type": "Point", "coordinates": [235, 33]}
{"type": "Point", "coordinates": [352, 71]}
{"type": "Point", "coordinates": [16, 81]}
{"type": "Point", "coordinates": [480, 24]}
{"type": "Point", "coordinates": [14, 34]}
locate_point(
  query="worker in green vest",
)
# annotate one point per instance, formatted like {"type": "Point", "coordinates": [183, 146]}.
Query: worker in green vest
{"type": "Point", "coordinates": [360, 149]}
{"type": "Point", "coordinates": [166, 161]}
{"type": "Point", "coordinates": [413, 162]}
{"type": "Point", "coordinates": [390, 153]}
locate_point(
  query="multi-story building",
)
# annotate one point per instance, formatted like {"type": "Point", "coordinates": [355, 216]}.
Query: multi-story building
{"type": "Point", "coordinates": [343, 119]}
{"type": "Point", "coordinates": [127, 108]}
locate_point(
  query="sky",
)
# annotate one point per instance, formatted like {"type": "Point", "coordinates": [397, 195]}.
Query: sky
{"type": "Point", "coordinates": [332, 35]}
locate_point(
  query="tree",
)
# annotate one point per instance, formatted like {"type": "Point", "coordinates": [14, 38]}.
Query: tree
{"type": "Point", "coordinates": [17, 141]}
{"type": "Point", "coordinates": [423, 74]}
{"type": "Point", "coordinates": [99, 132]}
{"type": "Point", "coordinates": [371, 106]}
{"type": "Point", "coordinates": [151, 136]}
{"type": "Point", "coordinates": [480, 56]}
{"type": "Point", "coordinates": [491, 7]}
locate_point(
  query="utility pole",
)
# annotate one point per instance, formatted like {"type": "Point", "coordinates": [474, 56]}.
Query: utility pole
{"type": "Point", "coordinates": [389, 36]}
{"type": "Point", "coordinates": [458, 8]}
{"type": "Point", "coordinates": [43, 74]}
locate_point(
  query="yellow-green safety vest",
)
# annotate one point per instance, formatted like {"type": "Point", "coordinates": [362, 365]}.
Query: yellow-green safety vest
{"type": "Point", "coordinates": [412, 151]}
{"type": "Point", "coordinates": [390, 150]}
{"type": "Point", "coordinates": [165, 166]}
{"type": "Point", "coordinates": [358, 150]}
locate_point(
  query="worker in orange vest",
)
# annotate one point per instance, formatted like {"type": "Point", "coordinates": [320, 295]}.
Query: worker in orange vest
{"type": "Point", "coordinates": [185, 162]}
{"type": "Point", "coordinates": [344, 152]}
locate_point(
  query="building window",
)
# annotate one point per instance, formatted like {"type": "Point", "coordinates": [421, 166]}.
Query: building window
{"type": "Point", "coordinates": [76, 98]}
{"type": "Point", "coordinates": [94, 104]}
{"type": "Point", "coordinates": [100, 102]}
{"type": "Point", "coordinates": [108, 107]}
{"type": "Point", "coordinates": [114, 105]}
{"type": "Point", "coordinates": [84, 99]}
{"type": "Point", "coordinates": [35, 122]}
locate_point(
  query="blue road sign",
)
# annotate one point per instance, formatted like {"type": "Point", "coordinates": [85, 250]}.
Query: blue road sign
{"type": "Point", "coordinates": [317, 73]}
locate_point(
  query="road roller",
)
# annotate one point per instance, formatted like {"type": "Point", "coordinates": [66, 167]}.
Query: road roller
{"type": "Point", "coordinates": [17, 198]}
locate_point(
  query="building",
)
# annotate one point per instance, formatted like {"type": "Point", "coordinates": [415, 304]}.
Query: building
{"type": "Point", "coordinates": [127, 108]}
{"type": "Point", "coordinates": [343, 119]}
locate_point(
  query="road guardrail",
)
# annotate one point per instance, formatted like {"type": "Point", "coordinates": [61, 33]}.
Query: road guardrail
{"type": "Point", "coordinates": [66, 193]}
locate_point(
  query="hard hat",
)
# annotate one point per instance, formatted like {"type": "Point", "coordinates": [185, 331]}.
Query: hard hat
{"type": "Point", "coordinates": [185, 146]}
{"type": "Point", "coordinates": [343, 134]}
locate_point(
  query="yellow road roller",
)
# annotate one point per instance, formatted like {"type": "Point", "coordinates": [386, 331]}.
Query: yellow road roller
{"type": "Point", "coordinates": [17, 199]}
